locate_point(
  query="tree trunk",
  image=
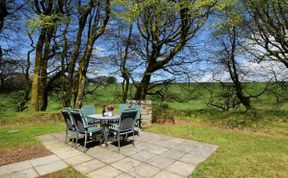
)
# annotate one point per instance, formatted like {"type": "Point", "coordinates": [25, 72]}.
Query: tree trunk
{"type": "Point", "coordinates": [43, 90]}
{"type": "Point", "coordinates": [2, 82]}
{"type": "Point", "coordinates": [34, 103]}
{"type": "Point", "coordinates": [245, 101]}
{"type": "Point", "coordinates": [70, 78]}
{"type": "Point", "coordinates": [4, 12]}
{"type": "Point", "coordinates": [80, 90]}
{"type": "Point", "coordinates": [75, 55]}
{"type": "Point", "coordinates": [123, 68]}
{"type": "Point", "coordinates": [93, 34]}
{"type": "Point", "coordinates": [125, 89]}
{"type": "Point", "coordinates": [84, 62]}
{"type": "Point", "coordinates": [234, 74]}
{"type": "Point", "coordinates": [142, 87]}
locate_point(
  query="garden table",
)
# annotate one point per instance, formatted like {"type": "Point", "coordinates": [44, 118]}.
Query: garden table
{"type": "Point", "coordinates": [104, 120]}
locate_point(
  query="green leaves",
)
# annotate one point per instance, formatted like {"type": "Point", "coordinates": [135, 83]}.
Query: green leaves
{"type": "Point", "coordinates": [46, 21]}
{"type": "Point", "coordinates": [132, 9]}
{"type": "Point", "coordinates": [229, 14]}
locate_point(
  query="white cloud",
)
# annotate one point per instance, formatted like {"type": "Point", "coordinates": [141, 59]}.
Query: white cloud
{"type": "Point", "coordinates": [265, 71]}
{"type": "Point", "coordinates": [98, 51]}
{"type": "Point", "coordinates": [261, 72]}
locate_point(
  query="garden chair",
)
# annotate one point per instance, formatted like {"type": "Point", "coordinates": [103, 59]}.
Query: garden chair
{"type": "Point", "coordinates": [126, 107]}
{"type": "Point", "coordinates": [70, 126]}
{"type": "Point", "coordinates": [83, 128]}
{"type": "Point", "coordinates": [87, 110]}
{"type": "Point", "coordinates": [125, 126]}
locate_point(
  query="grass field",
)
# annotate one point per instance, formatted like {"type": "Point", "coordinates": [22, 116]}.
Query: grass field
{"type": "Point", "coordinates": [250, 144]}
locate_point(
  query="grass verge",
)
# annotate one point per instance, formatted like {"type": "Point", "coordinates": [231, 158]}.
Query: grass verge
{"type": "Point", "coordinates": [65, 173]}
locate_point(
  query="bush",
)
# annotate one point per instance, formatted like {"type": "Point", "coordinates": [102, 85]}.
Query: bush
{"type": "Point", "coordinates": [162, 113]}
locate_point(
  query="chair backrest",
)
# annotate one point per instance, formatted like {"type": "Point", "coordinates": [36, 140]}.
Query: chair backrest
{"type": "Point", "coordinates": [68, 119]}
{"type": "Point", "coordinates": [138, 108]}
{"type": "Point", "coordinates": [122, 107]}
{"type": "Point", "coordinates": [88, 110]}
{"type": "Point", "coordinates": [127, 120]}
{"type": "Point", "coordinates": [80, 123]}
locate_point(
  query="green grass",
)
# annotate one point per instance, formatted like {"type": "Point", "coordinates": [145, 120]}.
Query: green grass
{"type": "Point", "coordinates": [17, 136]}
{"type": "Point", "coordinates": [65, 173]}
{"type": "Point", "coordinates": [240, 154]}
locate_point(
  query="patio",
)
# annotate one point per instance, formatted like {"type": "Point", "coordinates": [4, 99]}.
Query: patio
{"type": "Point", "coordinates": [154, 156]}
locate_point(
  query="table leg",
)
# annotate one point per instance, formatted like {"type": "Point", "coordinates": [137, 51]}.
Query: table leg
{"type": "Point", "coordinates": [106, 132]}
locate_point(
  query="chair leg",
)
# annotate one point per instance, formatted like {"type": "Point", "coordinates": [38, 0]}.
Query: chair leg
{"type": "Point", "coordinates": [76, 139]}
{"type": "Point", "coordinates": [85, 142]}
{"type": "Point", "coordinates": [118, 135]}
{"type": "Point", "coordinates": [73, 138]}
{"type": "Point", "coordinates": [66, 138]}
{"type": "Point", "coordinates": [133, 140]}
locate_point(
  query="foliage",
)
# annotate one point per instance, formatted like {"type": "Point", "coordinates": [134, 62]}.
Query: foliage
{"type": "Point", "coordinates": [161, 113]}
{"type": "Point", "coordinates": [47, 21]}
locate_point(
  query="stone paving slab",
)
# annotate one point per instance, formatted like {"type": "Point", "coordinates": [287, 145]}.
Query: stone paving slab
{"type": "Point", "coordinates": [44, 160]}
{"type": "Point", "coordinates": [154, 155]}
{"type": "Point", "coordinates": [78, 159]}
{"type": "Point", "coordinates": [181, 168]}
{"type": "Point", "coordinates": [51, 167]}
{"type": "Point", "coordinates": [160, 161]}
{"type": "Point", "coordinates": [14, 167]}
{"type": "Point", "coordinates": [105, 172]}
{"type": "Point", "coordinates": [144, 170]}
{"type": "Point", "coordinates": [27, 173]}
{"type": "Point", "coordinates": [89, 166]}
{"type": "Point", "coordinates": [33, 168]}
{"type": "Point", "coordinates": [126, 164]}
{"type": "Point", "coordinates": [166, 174]}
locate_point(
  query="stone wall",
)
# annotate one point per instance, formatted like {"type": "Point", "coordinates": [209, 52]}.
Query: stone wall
{"type": "Point", "coordinates": [146, 111]}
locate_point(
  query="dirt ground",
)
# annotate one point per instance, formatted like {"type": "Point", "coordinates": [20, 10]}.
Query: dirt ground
{"type": "Point", "coordinates": [27, 152]}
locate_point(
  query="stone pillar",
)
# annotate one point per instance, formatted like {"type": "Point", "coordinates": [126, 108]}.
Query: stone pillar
{"type": "Point", "coordinates": [146, 111]}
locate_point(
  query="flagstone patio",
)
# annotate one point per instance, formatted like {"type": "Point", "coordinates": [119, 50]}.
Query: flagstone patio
{"type": "Point", "coordinates": [155, 155]}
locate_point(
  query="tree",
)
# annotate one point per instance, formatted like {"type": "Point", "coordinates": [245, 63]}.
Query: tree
{"type": "Point", "coordinates": [84, 11]}
{"type": "Point", "coordinates": [7, 68]}
{"type": "Point", "coordinates": [96, 27]}
{"type": "Point", "coordinates": [229, 45]}
{"type": "Point", "coordinates": [270, 24]}
{"type": "Point", "coordinates": [3, 13]}
{"type": "Point", "coordinates": [123, 41]}
{"type": "Point", "coordinates": [231, 48]}
{"type": "Point", "coordinates": [165, 27]}
{"type": "Point", "coordinates": [50, 13]}
{"type": "Point", "coordinates": [7, 9]}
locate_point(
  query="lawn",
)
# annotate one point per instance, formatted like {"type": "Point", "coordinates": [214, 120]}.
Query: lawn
{"type": "Point", "coordinates": [17, 136]}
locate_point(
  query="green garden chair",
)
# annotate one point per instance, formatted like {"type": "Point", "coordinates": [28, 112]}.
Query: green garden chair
{"type": "Point", "coordinates": [83, 128]}
{"type": "Point", "coordinates": [125, 128]}
{"type": "Point", "coordinates": [70, 125]}
{"type": "Point", "coordinates": [127, 107]}
{"type": "Point", "coordinates": [87, 110]}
